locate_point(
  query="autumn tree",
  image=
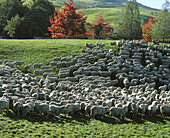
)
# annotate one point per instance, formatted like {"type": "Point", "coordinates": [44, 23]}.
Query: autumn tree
{"type": "Point", "coordinates": [67, 23]}
{"type": "Point", "coordinates": [99, 28]}
{"type": "Point", "coordinates": [146, 30]}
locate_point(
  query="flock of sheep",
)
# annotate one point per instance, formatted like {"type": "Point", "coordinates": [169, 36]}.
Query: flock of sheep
{"type": "Point", "coordinates": [95, 82]}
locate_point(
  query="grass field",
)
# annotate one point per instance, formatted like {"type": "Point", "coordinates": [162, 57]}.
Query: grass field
{"type": "Point", "coordinates": [43, 51]}
{"type": "Point", "coordinates": [83, 126]}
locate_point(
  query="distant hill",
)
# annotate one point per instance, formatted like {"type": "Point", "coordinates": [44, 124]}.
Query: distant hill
{"type": "Point", "coordinates": [109, 8]}
{"type": "Point", "coordinates": [97, 4]}
{"type": "Point", "coordinates": [110, 14]}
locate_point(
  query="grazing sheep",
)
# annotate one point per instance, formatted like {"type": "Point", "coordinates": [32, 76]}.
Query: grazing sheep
{"type": "Point", "coordinates": [27, 67]}
{"type": "Point", "coordinates": [165, 109]}
{"type": "Point", "coordinates": [55, 110]}
{"type": "Point", "coordinates": [17, 108]}
{"type": "Point", "coordinates": [99, 111]}
{"type": "Point", "coordinates": [152, 109]}
{"type": "Point", "coordinates": [4, 104]}
{"type": "Point", "coordinates": [42, 108]}
{"type": "Point", "coordinates": [117, 111]}
{"type": "Point", "coordinates": [142, 109]}
{"type": "Point", "coordinates": [37, 65]}
{"type": "Point", "coordinates": [87, 109]}
{"type": "Point", "coordinates": [27, 108]}
{"type": "Point", "coordinates": [68, 109]}
{"type": "Point", "coordinates": [135, 109]}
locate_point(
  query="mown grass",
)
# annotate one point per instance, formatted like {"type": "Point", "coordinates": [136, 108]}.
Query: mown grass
{"type": "Point", "coordinates": [83, 126]}
{"type": "Point", "coordinates": [43, 51]}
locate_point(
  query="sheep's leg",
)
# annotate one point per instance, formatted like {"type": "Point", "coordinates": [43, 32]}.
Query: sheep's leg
{"type": "Point", "coordinates": [110, 115]}
{"type": "Point", "coordinates": [93, 115]}
{"type": "Point", "coordinates": [102, 116]}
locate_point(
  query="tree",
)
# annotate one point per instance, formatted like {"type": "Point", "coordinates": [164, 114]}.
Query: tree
{"type": "Point", "coordinates": [146, 30]}
{"type": "Point", "coordinates": [130, 26]}
{"type": "Point", "coordinates": [9, 9]}
{"type": "Point", "coordinates": [160, 30]}
{"type": "Point", "coordinates": [99, 28]}
{"type": "Point", "coordinates": [36, 21]}
{"type": "Point", "coordinates": [68, 23]}
{"type": "Point", "coordinates": [118, 22]}
{"type": "Point", "coordinates": [14, 28]}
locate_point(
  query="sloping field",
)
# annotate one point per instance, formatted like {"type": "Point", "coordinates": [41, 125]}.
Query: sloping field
{"type": "Point", "coordinates": [110, 14]}
{"type": "Point", "coordinates": [43, 51]}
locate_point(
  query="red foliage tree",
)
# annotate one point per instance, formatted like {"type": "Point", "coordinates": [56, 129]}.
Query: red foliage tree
{"type": "Point", "coordinates": [99, 28]}
{"type": "Point", "coordinates": [67, 23]}
{"type": "Point", "coordinates": [147, 29]}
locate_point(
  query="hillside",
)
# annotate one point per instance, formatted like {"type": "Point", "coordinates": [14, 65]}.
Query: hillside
{"type": "Point", "coordinates": [109, 8]}
{"type": "Point", "coordinates": [109, 14]}
{"type": "Point", "coordinates": [97, 4]}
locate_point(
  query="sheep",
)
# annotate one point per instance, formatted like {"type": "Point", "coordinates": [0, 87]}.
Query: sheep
{"type": "Point", "coordinates": [38, 72]}
{"type": "Point", "coordinates": [76, 108]}
{"type": "Point", "coordinates": [68, 109]}
{"type": "Point", "coordinates": [55, 110]}
{"type": "Point", "coordinates": [17, 108]}
{"type": "Point", "coordinates": [27, 108]}
{"type": "Point", "coordinates": [152, 109]}
{"type": "Point", "coordinates": [37, 65]}
{"type": "Point", "coordinates": [100, 45]}
{"type": "Point", "coordinates": [4, 104]}
{"type": "Point", "coordinates": [42, 108]}
{"type": "Point", "coordinates": [27, 67]}
{"type": "Point", "coordinates": [99, 111]}
{"type": "Point", "coordinates": [112, 43]}
{"type": "Point", "coordinates": [117, 111]}
{"type": "Point", "coordinates": [135, 109]}
{"type": "Point", "coordinates": [165, 109]}
{"type": "Point", "coordinates": [19, 63]}
{"type": "Point", "coordinates": [142, 109]}
{"type": "Point", "coordinates": [87, 109]}
{"type": "Point", "coordinates": [91, 46]}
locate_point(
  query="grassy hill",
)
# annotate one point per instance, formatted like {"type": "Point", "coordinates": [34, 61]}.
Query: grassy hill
{"type": "Point", "coordinates": [109, 8]}
{"type": "Point", "coordinates": [110, 14]}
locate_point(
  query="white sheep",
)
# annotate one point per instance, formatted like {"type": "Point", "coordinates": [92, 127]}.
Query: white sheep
{"type": "Point", "coordinates": [99, 111]}
{"type": "Point", "coordinates": [165, 109]}
{"type": "Point", "coordinates": [4, 104]}
{"type": "Point", "coordinates": [55, 109]}
{"type": "Point", "coordinates": [117, 111]}
{"type": "Point", "coordinates": [152, 109]}
{"type": "Point", "coordinates": [135, 109]}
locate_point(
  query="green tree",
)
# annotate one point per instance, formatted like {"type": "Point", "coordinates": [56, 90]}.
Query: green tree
{"type": "Point", "coordinates": [9, 9]}
{"type": "Point", "coordinates": [4, 8]}
{"type": "Point", "coordinates": [14, 27]}
{"type": "Point", "coordinates": [161, 29]}
{"type": "Point", "coordinates": [36, 21]}
{"type": "Point", "coordinates": [130, 27]}
{"type": "Point", "coordinates": [17, 7]}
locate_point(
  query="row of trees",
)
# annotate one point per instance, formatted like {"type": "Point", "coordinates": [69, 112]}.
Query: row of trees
{"type": "Point", "coordinates": [25, 20]}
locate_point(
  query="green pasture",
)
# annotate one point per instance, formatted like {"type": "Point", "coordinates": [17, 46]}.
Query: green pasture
{"type": "Point", "coordinates": [83, 126]}
{"type": "Point", "coordinates": [43, 51]}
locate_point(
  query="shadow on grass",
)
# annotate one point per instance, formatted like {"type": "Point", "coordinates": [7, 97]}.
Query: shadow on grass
{"type": "Point", "coordinates": [85, 119]}
{"type": "Point", "coordinates": [76, 119]}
